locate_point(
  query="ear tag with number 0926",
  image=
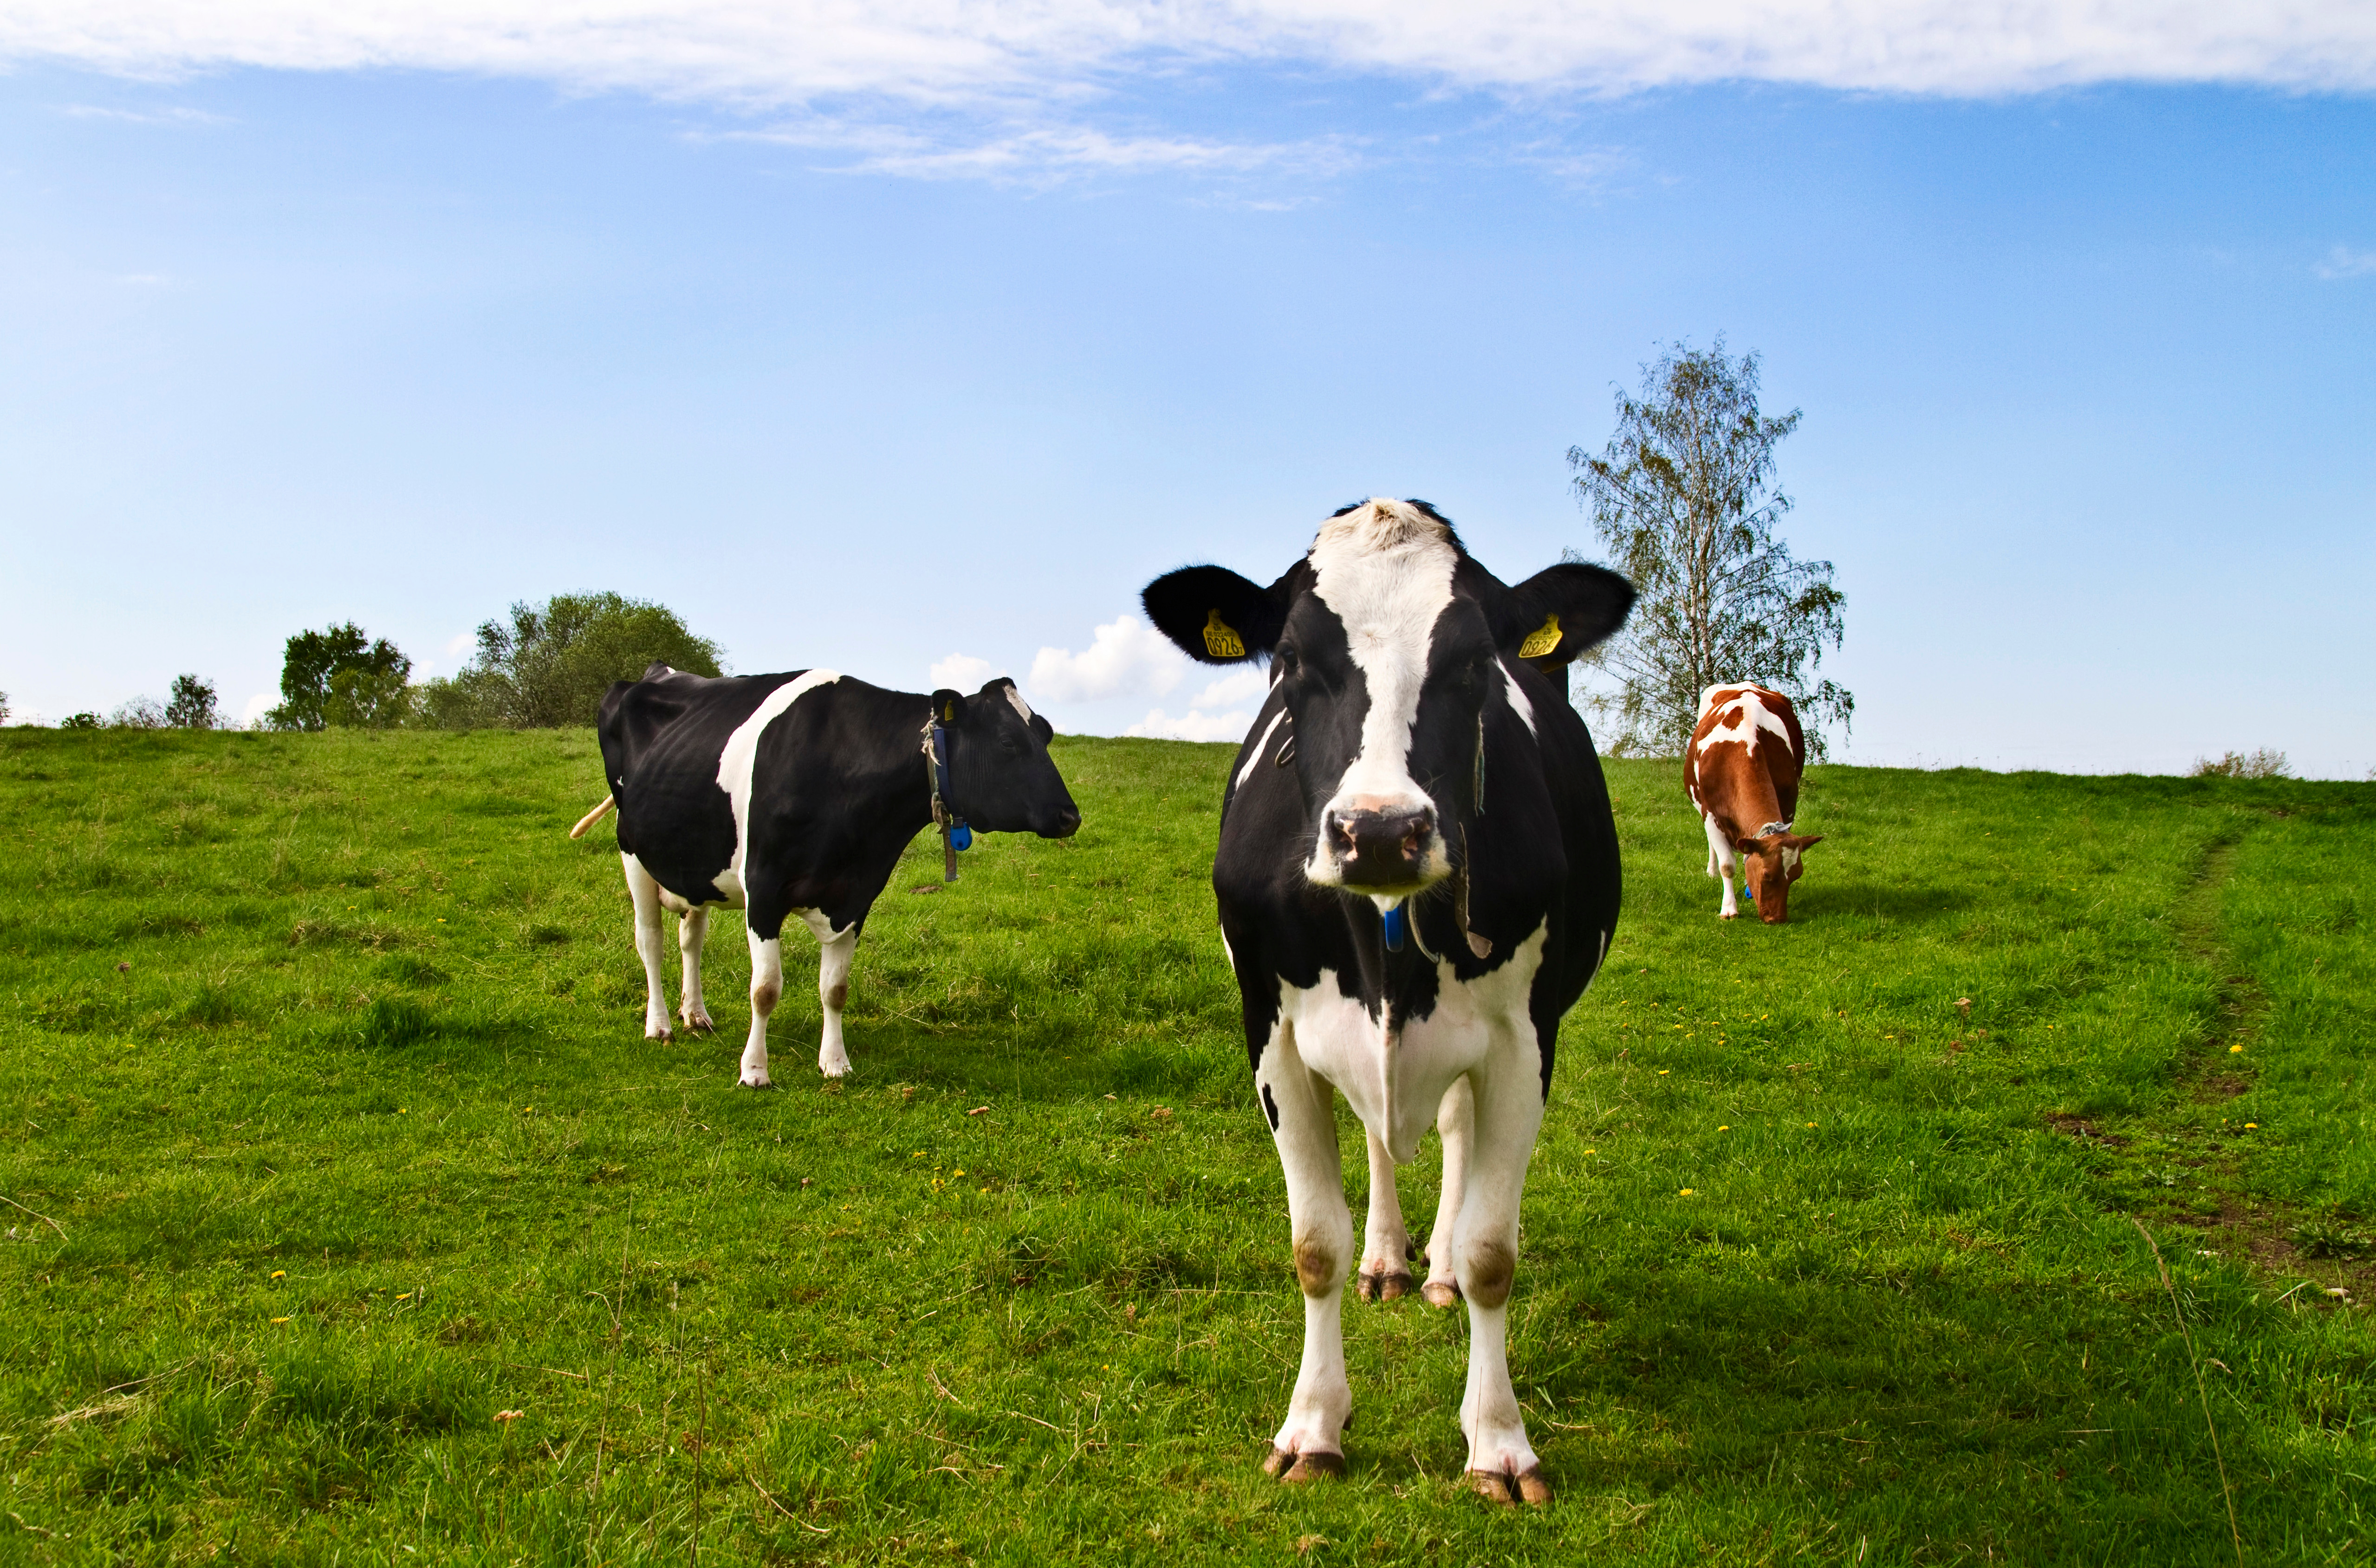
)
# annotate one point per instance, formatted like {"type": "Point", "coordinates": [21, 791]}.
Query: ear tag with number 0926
{"type": "Point", "coordinates": [1221, 640]}
{"type": "Point", "coordinates": [1542, 640]}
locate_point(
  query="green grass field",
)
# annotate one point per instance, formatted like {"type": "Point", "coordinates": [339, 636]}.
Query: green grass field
{"type": "Point", "coordinates": [331, 1137]}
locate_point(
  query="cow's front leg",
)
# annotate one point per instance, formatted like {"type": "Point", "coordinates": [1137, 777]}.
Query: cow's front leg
{"type": "Point", "coordinates": [645, 893]}
{"type": "Point", "coordinates": [1386, 1249]}
{"type": "Point", "coordinates": [1509, 1112]}
{"type": "Point", "coordinates": [1455, 1123]}
{"type": "Point", "coordinates": [1721, 865]}
{"type": "Point", "coordinates": [767, 989]}
{"type": "Point", "coordinates": [1311, 1442]}
{"type": "Point", "coordinates": [691, 931]}
{"type": "Point", "coordinates": [834, 955]}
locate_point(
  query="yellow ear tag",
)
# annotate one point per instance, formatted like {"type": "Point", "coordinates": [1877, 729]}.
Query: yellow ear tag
{"type": "Point", "coordinates": [1221, 640]}
{"type": "Point", "coordinates": [1542, 641]}
{"type": "Point", "coordinates": [949, 713]}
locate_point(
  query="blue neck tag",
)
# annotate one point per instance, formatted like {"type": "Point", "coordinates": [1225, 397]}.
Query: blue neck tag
{"type": "Point", "coordinates": [1397, 927]}
{"type": "Point", "coordinates": [960, 837]}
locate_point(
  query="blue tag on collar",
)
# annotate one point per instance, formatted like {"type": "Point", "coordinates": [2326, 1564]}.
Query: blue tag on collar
{"type": "Point", "coordinates": [960, 835]}
{"type": "Point", "coordinates": [1397, 927]}
{"type": "Point", "coordinates": [1749, 890]}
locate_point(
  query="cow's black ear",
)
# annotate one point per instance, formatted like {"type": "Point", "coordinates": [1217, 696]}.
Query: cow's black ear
{"type": "Point", "coordinates": [1215, 616]}
{"type": "Point", "coordinates": [1561, 611]}
{"type": "Point", "coordinates": [1041, 728]}
{"type": "Point", "coordinates": [948, 706]}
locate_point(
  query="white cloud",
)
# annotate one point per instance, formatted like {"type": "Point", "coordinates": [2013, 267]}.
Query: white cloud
{"type": "Point", "coordinates": [1250, 684]}
{"type": "Point", "coordinates": [964, 53]}
{"type": "Point", "coordinates": [2345, 262]}
{"type": "Point", "coordinates": [255, 707]}
{"type": "Point", "coordinates": [461, 643]}
{"type": "Point", "coordinates": [1160, 725]}
{"type": "Point", "coordinates": [1128, 658]}
{"type": "Point", "coordinates": [962, 672]}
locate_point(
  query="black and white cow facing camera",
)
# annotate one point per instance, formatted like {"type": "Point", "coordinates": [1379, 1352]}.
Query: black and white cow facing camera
{"type": "Point", "coordinates": [793, 796]}
{"type": "Point", "coordinates": [1417, 877]}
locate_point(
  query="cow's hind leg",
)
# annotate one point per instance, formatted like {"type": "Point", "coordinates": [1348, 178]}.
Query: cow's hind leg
{"type": "Point", "coordinates": [645, 893]}
{"type": "Point", "coordinates": [835, 952]}
{"type": "Point", "coordinates": [1311, 1442]}
{"type": "Point", "coordinates": [691, 931]}
{"type": "Point", "coordinates": [767, 989]}
{"type": "Point", "coordinates": [1385, 1249]}
{"type": "Point", "coordinates": [1502, 1464]}
{"type": "Point", "coordinates": [1455, 1123]}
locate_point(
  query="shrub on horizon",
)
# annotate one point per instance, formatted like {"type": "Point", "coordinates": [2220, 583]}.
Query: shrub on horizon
{"type": "Point", "coordinates": [2261, 764]}
{"type": "Point", "coordinates": [192, 706]}
{"type": "Point", "coordinates": [550, 665]}
{"type": "Point", "coordinates": [338, 676]}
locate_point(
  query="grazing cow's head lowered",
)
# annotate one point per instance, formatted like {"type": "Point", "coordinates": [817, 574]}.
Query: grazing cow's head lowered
{"type": "Point", "coordinates": [1769, 864]}
{"type": "Point", "coordinates": [1000, 777]}
{"type": "Point", "coordinates": [1386, 641]}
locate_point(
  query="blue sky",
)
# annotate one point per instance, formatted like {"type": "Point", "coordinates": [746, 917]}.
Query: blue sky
{"type": "Point", "coordinates": [937, 362]}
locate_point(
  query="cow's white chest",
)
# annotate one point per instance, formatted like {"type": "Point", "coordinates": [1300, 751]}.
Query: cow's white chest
{"type": "Point", "coordinates": [1395, 1082]}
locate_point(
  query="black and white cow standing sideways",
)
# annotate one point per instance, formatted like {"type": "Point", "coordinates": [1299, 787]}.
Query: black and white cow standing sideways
{"type": "Point", "coordinates": [1417, 877]}
{"type": "Point", "coordinates": [794, 795]}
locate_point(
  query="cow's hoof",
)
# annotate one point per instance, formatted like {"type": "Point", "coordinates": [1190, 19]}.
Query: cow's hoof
{"type": "Point", "coordinates": [1384, 1285]}
{"type": "Point", "coordinates": [1294, 1469]}
{"type": "Point", "coordinates": [1728, 914]}
{"type": "Point", "coordinates": [753, 1081]}
{"type": "Point", "coordinates": [833, 1069]}
{"type": "Point", "coordinates": [1440, 1293]}
{"type": "Point", "coordinates": [1510, 1490]}
{"type": "Point", "coordinates": [664, 1034]}
{"type": "Point", "coordinates": [699, 1021]}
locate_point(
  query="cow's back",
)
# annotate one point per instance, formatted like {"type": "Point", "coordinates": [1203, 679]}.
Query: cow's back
{"type": "Point", "coordinates": [661, 740]}
{"type": "Point", "coordinates": [1745, 757]}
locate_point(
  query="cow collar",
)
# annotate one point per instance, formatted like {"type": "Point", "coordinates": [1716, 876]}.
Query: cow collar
{"type": "Point", "coordinates": [1772, 827]}
{"type": "Point", "coordinates": [955, 834]}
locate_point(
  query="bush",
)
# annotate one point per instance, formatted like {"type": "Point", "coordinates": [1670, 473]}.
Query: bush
{"type": "Point", "coordinates": [550, 665]}
{"type": "Point", "coordinates": [85, 720]}
{"type": "Point", "coordinates": [192, 706]}
{"type": "Point", "coordinates": [2262, 764]}
{"type": "Point", "coordinates": [337, 676]}
{"type": "Point", "coordinates": [140, 713]}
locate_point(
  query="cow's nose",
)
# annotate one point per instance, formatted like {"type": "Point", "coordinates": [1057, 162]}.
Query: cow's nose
{"type": "Point", "coordinates": [1068, 822]}
{"type": "Point", "coordinates": [1381, 849]}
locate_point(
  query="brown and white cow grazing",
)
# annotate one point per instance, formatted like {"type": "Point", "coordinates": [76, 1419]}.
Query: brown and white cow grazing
{"type": "Point", "coordinates": [1742, 770]}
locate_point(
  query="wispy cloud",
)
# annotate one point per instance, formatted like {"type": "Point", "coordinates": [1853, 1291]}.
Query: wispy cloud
{"type": "Point", "coordinates": [957, 52]}
{"type": "Point", "coordinates": [171, 115]}
{"type": "Point", "coordinates": [1042, 154]}
{"type": "Point", "coordinates": [2345, 262]}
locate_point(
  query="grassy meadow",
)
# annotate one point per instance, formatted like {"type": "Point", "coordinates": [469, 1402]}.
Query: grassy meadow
{"type": "Point", "coordinates": [351, 1220]}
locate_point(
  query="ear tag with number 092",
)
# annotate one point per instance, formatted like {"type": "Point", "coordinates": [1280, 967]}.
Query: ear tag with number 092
{"type": "Point", "coordinates": [1221, 640]}
{"type": "Point", "coordinates": [1542, 640]}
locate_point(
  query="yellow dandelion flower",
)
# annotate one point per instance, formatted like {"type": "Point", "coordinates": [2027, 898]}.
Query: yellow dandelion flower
{"type": "Point", "coordinates": [279, 1274]}
{"type": "Point", "coordinates": [2235, 1051]}
{"type": "Point", "coordinates": [280, 1320]}
{"type": "Point", "coordinates": [1662, 1072]}
{"type": "Point", "coordinates": [1724, 1129]}
{"type": "Point", "coordinates": [406, 1297]}
{"type": "Point", "coordinates": [1687, 1191]}
{"type": "Point", "coordinates": [2252, 1126]}
{"type": "Point", "coordinates": [1592, 1151]}
{"type": "Point", "coordinates": [1811, 1123]}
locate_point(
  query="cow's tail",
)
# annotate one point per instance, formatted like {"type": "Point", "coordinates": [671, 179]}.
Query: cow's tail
{"type": "Point", "coordinates": [590, 818]}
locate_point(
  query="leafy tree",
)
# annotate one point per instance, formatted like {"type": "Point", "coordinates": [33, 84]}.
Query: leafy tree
{"type": "Point", "coordinates": [549, 665]}
{"type": "Point", "coordinates": [83, 720]}
{"type": "Point", "coordinates": [192, 706]}
{"type": "Point", "coordinates": [1685, 497]}
{"type": "Point", "coordinates": [311, 665]}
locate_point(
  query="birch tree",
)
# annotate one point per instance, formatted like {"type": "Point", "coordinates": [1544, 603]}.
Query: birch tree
{"type": "Point", "coordinates": [1686, 501]}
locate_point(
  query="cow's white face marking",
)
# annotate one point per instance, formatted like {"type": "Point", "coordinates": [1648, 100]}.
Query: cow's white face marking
{"type": "Point", "coordinates": [1518, 699]}
{"type": "Point", "coordinates": [1384, 569]}
{"type": "Point", "coordinates": [736, 763]}
{"type": "Point", "coordinates": [1262, 749]}
{"type": "Point", "coordinates": [1020, 705]}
